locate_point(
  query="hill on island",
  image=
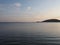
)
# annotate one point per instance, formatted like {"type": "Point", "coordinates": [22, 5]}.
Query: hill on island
{"type": "Point", "coordinates": [51, 20]}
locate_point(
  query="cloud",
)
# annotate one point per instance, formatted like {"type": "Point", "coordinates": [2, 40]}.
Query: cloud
{"type": "Point", "coordinates": [29, 8]}
{"type": "Point", "coordinates": [17, 4]}
{"type": "Point", "coordinates": [15, 7]}
{"type": "Point", "coordinates": [12, 6]}
{"type": "Point", "coordinates": [10, 9]}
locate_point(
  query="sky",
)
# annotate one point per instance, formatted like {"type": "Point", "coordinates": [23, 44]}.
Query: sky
{"type": "Point", "coordinates": [28, 10]}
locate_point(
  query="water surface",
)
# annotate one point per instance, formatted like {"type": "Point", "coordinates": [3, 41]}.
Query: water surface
{"type": "Point", "coordinates": [29, 33]}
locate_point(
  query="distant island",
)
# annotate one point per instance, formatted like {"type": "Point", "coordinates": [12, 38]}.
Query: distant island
{"type": "Point", "coordinates": [49, 20]}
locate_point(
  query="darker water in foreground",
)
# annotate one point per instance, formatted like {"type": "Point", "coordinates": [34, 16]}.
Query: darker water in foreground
{"type": "Point", "coordinates": [29, 33]}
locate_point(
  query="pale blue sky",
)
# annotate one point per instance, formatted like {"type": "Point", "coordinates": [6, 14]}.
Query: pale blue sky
{"type": "Point", "coordinates": [28, 10]}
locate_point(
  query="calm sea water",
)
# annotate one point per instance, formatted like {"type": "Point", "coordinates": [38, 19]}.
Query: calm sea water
{"type": "Point", "coordinates": [29, 33]}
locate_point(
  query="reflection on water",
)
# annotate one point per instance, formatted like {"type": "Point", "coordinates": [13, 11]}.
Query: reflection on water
{"type": "Point", "coordinates": [29, 33]}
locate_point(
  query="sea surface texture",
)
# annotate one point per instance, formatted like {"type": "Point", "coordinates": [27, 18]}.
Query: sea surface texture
{"type": "Point", "coordinates": [29, 33]}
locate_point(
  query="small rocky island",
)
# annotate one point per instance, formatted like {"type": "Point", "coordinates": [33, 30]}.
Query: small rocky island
{"type": "Point", "coordinates": [49, 20]}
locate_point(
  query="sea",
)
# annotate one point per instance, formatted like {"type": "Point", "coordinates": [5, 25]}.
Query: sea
{"type": "Point", "coordinates": [29, 33]}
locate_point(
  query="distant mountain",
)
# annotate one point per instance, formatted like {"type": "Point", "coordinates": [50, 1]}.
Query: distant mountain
{"type": "Point", "coordinates": [51, 20]}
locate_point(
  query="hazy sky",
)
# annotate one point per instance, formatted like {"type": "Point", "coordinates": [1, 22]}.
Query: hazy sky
{"type": "Point", "coordinates": [28, 10]}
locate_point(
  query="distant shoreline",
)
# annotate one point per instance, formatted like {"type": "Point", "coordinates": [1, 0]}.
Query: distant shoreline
{"type": "Point", "coordinates": [49, 20]}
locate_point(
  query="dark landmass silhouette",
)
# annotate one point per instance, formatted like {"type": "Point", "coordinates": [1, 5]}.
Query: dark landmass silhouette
{"type": "Point", "coordinates": [51, 20]}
